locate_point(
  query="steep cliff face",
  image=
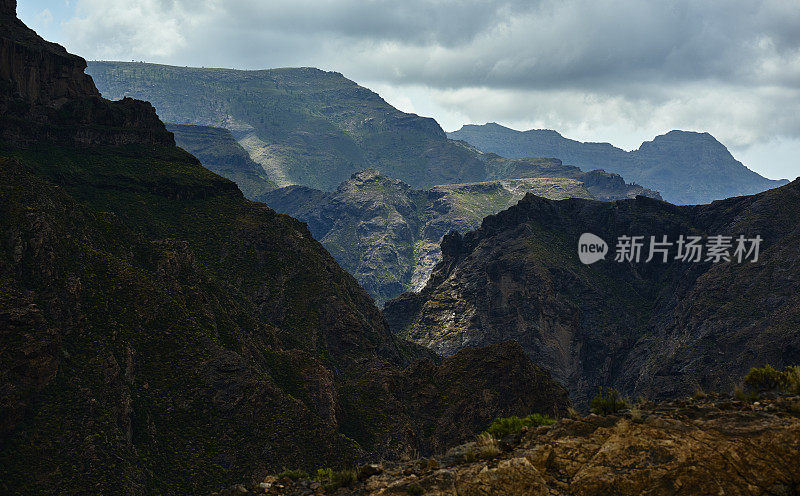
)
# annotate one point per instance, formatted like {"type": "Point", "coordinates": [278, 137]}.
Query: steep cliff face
{"type": "Point", "coordinates": [46, 95]}
{"type": "Point", "coordinates": [161, 334]}
{"type": "Point", "coordinates": [655, 329]}
{"type": "Point", "coordinates": [35, 71]}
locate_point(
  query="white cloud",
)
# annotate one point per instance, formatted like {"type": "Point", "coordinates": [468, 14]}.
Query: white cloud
{"type": "Point", "coordinates": [44, 18]}
{"type": "Point", "coordinates": [620, 70]}
{"type": "Point", "coordinates": [144, 29]}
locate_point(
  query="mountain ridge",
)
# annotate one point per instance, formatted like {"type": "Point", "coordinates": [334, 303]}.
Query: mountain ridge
{"type": "Point", "coordinates": [657, 330]}
{"type": "Point", "coordinates": [387, 234]}
{"type": "Point", "coordinates": [310, 127]}
{"type": "Point", "coordinates": [293, 119]}
{"type": "Point", "coordinates": [686, 167]}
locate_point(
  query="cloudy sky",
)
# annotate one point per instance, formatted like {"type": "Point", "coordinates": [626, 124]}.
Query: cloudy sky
{"type": "Point", "coordinates": [621, 71]}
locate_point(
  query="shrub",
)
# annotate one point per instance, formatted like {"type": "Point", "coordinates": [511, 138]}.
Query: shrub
{"type": "Point", "coordinates": [332, 480]}
{"type": "Point", "coordinates": [293, 475]}
{"type": "Point", "coordinates": [503, 426]}
{"type": "Point", "coordinates": [792, 374]}
{"type": "Point", "coordinates": [486, 446]}
{"type": "Point", "coordinates": [765, 378]}
{"type": "Point", "coordinates": [323, 474]}
{"type": "Point", "coordinates": [608, 403]}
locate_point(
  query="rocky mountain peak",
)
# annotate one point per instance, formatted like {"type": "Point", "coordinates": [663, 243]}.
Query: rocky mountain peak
{"type": "Point", "coordinates": [366, 175]}
{"type": "Point", "coordinates": [682, 140]}
{"type": "Point", "coordinates": [48, 96]}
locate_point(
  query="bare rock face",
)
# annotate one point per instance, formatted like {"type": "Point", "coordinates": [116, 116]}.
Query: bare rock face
{"type": "Point", "coordinates": [38, 72]}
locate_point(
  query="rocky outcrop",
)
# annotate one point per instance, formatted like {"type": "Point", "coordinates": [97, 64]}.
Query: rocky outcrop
{"type": "Point", "coordinates": [45, 95]}
{"type": "Point", "coordinates": [654, 329]}
{"type": "Point", "coordinates": [387, 234]}
{"type": "Point", "coordinates": [604, 186]}
{"type": "Point", "coordinates": [35, 71]}
{"type": "Point", "coordinates": [686, 167]}
{"type": "Point", "coordinates": [709, 445]}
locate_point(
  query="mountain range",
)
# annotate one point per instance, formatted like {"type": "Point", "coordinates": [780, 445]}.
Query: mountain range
{"type": "Point", "coordinates": [660, 329]}
{"type": "Point", "coordinates": [686, 167]}
{"type": "Point", "coordinates": [161, 334]}
{"type": "Point", "coordinates": [387, 234]}
{"type": "Point", "coordinates": [313, 128]}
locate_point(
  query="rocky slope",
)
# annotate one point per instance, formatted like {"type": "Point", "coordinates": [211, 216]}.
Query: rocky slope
{"type": "Point", "coordinates": [686, 167]}
{"type": "Point", "coordinates": [161, 334]}
{"type": "Point", "coordinates": [219, 152]}
{"type": "Point", "coordinates": [387, 234]}
{"type": "Point", "coordinates": [605, 186]}
{"type": "Point", "coordinates": [655, 329]}
{"type": "Point", "coordinates": [708, 445]}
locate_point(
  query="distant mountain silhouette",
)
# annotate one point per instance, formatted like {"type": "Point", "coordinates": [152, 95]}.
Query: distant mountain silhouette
{"type": "Point", "coordinates": [686, 167]}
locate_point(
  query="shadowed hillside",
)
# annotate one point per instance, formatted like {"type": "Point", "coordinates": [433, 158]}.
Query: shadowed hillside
{"type": "Point", "coordinates": [387, 234]}
{"type": "Point", "coordinates": [657, 329]}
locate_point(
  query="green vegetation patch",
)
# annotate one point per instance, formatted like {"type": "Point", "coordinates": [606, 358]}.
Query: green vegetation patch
{"type": "Point", "coordinates": [767, 378]}
{"type": "Point", "coordinates": [504, 426]}
{"type": "Point", "coordinates": [607, 402]}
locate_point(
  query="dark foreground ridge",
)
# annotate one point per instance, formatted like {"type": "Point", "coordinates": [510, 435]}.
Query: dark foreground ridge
{"type": "Point", "coordinates": [707, 444]}
{"type": "Point", "coordinates": [161, 334]}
